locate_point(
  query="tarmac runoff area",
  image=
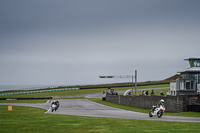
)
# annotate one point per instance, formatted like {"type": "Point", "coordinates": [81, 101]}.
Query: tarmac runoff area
{"type": "Point", "coordinates": [84, 107]}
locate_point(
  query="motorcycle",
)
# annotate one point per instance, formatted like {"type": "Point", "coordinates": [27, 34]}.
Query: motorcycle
{"type": "Point", "coordinates": [157, 111]}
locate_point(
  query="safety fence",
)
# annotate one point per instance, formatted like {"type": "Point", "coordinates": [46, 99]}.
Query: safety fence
{"type": "Point", "coordinates": [43, 91]}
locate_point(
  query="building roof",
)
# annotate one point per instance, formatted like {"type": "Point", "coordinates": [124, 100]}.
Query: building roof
{"type": "Point", "coordinates": [191, 69]}
{"type": "Point", "coordinates": [193, 58]}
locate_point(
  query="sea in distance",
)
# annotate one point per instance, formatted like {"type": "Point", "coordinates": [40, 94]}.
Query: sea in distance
{"type": "Point", "coordinates": [24, 87]}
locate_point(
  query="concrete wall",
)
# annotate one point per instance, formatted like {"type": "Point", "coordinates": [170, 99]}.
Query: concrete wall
{"type": "Point", "coordinates": [172, 103]}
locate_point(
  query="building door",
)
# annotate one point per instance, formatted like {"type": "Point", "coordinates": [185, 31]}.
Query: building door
{"type": "Point", "coordinates": [192, 84]}
{"type": "Point", "coordinates": [187, 85]}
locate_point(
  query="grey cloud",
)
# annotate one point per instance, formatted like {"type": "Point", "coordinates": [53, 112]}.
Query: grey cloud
{"type": "Point", "coordinates": [73, 42]}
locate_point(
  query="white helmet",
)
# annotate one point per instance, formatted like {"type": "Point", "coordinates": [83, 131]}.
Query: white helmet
{"type": "Point", "coordinates": [162, 101]}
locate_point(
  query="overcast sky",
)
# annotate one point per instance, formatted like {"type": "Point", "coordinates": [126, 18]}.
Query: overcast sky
{"type": "Point", "coordinates": [65, 42]}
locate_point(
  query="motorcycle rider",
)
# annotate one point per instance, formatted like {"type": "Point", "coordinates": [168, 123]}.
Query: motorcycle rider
{"type": "Point", "coordinates": [54, 102]}
{"type": "Point", "coordinates": [57, 104]}
{"type": "Point", "coordinates": [161, 102]}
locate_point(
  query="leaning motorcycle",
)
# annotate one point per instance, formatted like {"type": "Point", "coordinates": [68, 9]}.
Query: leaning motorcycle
{"type": "Point", "coordinates": [157, 111]}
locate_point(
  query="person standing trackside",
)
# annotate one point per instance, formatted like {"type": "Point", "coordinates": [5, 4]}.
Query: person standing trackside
{"type": "Point", "coordinates": [152, 92]}
{"type": "Point", "coordinates": [147, 93]}
{"type": "Point", "coordinates": [143, 93]}
{"type": "Point", "coordinates": [161, 93]}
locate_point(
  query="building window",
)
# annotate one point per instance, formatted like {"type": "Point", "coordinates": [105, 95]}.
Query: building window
{"type": "Point", "coordinates": [196, 77]}
{"type": "Point", "coordinates": [199, 79]}
{"type": "Point", "coordinates": [194, 63]}
{"type": "Point", "coordinates": [183, 84]}
{"type": "Point", "coordinates": [185, 75]}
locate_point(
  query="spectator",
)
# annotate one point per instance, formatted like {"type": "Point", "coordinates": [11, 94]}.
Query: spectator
{"type": "Point", "coordinates": [152, 92]}
{"type": "Point", "coordinates": [161, 93]}
{"type": "Point", "coordinates": [147, 93]}
{"type": "Point", "coordinates": [106, 92]}
{"type": "Point", "coordinates": [129, 93]}
{"type": "Point", "coordinates": [143, 93]}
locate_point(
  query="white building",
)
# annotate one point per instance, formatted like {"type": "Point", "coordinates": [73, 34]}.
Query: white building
{"type": "Point", "coordinates": [190, 82]}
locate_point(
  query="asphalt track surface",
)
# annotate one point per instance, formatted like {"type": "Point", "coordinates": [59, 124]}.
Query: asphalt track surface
{"type": "Point", "coordinates": [84, 107]}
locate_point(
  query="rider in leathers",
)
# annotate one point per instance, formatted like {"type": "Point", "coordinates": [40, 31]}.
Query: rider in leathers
{"type": "Point", "coordinates": [161, 102]}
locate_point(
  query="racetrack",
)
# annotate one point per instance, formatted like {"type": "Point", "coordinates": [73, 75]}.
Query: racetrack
{"type": "Point", "coordinates": [84, 107]}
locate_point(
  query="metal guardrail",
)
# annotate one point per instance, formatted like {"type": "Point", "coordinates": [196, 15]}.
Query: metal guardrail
{"type": "Point", "coordinates": [43, 91]}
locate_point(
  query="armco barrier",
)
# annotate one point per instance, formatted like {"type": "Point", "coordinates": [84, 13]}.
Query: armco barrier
{"type": "Point", "coordinates": [18, 93]}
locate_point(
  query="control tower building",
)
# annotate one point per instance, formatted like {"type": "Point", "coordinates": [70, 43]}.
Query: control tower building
{"type": "Point", "coordinates": [190, 82]}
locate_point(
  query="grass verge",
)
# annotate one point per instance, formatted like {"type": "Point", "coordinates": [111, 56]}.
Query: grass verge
{"type": "Point", "coordinates": [29, 120]}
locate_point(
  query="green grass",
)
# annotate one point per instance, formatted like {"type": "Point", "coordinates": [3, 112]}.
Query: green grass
{"type": "Point", "coordinates": [142, 87]}
{"type": "Point", "coordinates": [25, 101]}
{"type": "Point", "coordinates": [58, 93]}
{"type": "Point", "coordinates": [29, 120]}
